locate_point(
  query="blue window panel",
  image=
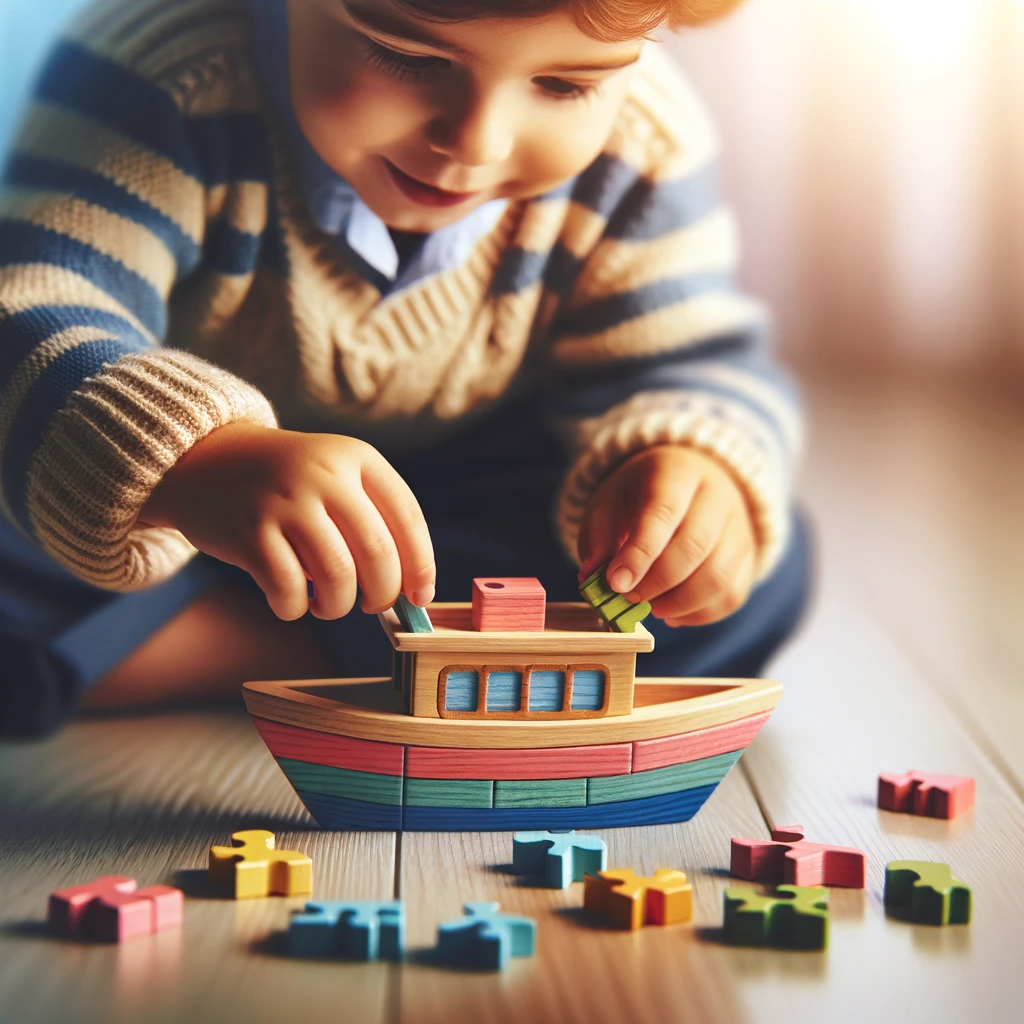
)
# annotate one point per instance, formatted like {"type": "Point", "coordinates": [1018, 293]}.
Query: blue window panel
{"type": "Point", "coordinates": [547, 690]}
{"type": "Point", "coordinates": [462, 691]}
{"type": "Point", "coordinates": [504, 691]}
{"type": "Point", "coordinates": [587, 690]}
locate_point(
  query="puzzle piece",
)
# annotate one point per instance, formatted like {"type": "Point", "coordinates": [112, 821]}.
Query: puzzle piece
{"type": "Point", "coordinates": [925, 793]}
{"type": "Point", "coordinates": [112, 909]}
{"type": "Point", "coordinates": [796, 917]}
{"type": "Point", "coordinates": [630, 902]}
{"type": "Point", "coordinates": [562, 857]}
{"type": "Point", "coordinates": [788, 857]}
{"type": "Point", "coordinates": [509, 604]}
{"type": "Point", "coordinates": [485, 939]}
{"type": "Point", "coordinates": [612, 607]}
{"type": "Point", "coordinates": [254, 868]}
{"type": "Point", "coordinates": [926, 892]}
{"type": "Point", "coordinates": [413, 619]}
{"type": "Point", "coordinates": [350, 930]}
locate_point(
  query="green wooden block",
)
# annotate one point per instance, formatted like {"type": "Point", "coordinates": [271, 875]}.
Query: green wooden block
{"type": "Point", "coordinates": [673, 779]}
{"type": "Point", "coordinates": [926, 892]}
{"type": "Point", "coordinates": [796, 917]}
{"type": "Point", "coordinates": [540, 793]}
{"type": "Point", "coordinates": [367, 786]}
{"type": "Point", "coordinates": [626, 622]}
{"type": "Point", "coordinates": [413, 618]}
{"type": "Point", "coordinates": [449, 793]}
{"type": "Point", "coordinates": [595, 588]}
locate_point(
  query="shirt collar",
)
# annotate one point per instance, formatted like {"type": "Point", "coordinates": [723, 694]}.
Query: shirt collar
{"type": "Point", "coordinates": [334, 205]}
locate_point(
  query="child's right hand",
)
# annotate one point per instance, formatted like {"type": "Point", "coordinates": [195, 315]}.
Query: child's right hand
{"type": "Point", "coordinates": [285, 506]}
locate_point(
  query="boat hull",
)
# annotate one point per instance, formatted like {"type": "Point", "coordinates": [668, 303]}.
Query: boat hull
{"type": "Point", "coordinates": [655, 770]}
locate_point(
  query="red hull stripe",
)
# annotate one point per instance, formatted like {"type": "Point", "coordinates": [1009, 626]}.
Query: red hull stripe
{"type": "Point", "coordinates": [693, 746]}
{"type": "Point", "coordinates": [550, 763]}
{"type": "Point", "coordinates": [329, 749]}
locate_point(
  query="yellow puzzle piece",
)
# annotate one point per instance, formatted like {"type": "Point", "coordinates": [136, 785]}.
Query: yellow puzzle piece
{"type": "Point", "coordinates": [254, 868]}
{"type": "Point", "coordinates": [629, 901]}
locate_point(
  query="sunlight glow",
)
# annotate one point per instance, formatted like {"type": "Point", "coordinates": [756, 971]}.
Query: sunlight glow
{"type": "Point", "coordinates": [927, 29]}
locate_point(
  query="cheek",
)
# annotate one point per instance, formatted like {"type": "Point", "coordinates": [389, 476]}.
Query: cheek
{"type": "Point", "coordinates": [564, 146]}
{"type": "Point", "coordinates": [343, 106]}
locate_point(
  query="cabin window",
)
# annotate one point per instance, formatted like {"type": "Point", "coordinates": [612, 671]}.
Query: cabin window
{"type": "Point", "coordinates": [547, 690]}
{"type": "Point", "coordinates": [504, 690]}
{"type": "Point", "coordinates": [462, 690]}
{"type": "Point", "coordinates": [587, 690]}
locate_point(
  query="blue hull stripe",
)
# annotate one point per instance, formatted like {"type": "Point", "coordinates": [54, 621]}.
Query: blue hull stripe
{"type": "Point", "coordinates": [337, 814]}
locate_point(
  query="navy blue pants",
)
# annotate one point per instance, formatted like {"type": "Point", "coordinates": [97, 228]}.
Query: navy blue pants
{"type": "Point", "coordinates": [488, 498]}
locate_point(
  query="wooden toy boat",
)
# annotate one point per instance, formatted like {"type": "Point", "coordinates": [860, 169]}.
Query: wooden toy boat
{"type": "Point", "coordinates": [500, 731]}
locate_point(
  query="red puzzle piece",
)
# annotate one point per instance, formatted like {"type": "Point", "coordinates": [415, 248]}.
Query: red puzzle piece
{"type": "Point", "coordinates": [788, 857]}
{"type": "Point", "coordinates": [112, 909]}
{"type": "Point", "coordinates": [925, 793]}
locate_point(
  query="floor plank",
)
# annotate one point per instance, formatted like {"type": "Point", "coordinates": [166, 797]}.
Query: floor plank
{"type": "Point", "coordinates": [148, 797]}
{"type": "Point", "coordinates": [856, 705]}
{"type": "Point", "coordinates": [918, 491]}
{"type": "Point", "coordinates": [582, 971]}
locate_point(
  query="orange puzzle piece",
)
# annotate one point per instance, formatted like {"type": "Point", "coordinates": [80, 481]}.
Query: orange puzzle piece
{"type": "Point", "coordinates": [925, 793]}
{"type": "Point", "coordinates": [630, 902]}
{"type": "Point", "coordinates": [254, 868]}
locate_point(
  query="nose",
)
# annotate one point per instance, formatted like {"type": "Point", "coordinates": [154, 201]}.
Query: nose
{"type": "Point", "coordinates": [473, 130]}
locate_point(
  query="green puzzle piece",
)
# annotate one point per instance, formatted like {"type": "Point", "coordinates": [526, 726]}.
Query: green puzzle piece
{"type": "Point", "coordinates": [612, 607]}
{"type": "Point", "coordinates": [796, 917]}
{"type": "Point", "coordinates": [926, 892]}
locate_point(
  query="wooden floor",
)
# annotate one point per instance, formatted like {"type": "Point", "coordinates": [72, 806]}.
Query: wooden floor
{"type": "Point", "coordinates": [913, 658]}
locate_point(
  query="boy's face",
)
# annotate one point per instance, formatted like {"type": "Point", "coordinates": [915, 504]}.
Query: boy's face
{"type": "Point", "coordinates": [410, 111]}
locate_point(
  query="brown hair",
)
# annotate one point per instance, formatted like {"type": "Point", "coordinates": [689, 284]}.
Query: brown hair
{"type": "Point", "coordinates": [607, 20]}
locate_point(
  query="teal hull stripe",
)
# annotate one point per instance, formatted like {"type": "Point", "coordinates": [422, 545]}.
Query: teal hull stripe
{"type": "Point", "coordinates": [659, 781]}
{"type": "Point", "coordinates": [365, 786]}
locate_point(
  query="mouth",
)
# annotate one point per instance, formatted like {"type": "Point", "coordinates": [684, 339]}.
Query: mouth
{"type": "Point", "coordinates": [422, 193]}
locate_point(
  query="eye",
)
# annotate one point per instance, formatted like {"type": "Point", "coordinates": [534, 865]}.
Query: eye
{"type": "Point", "coordinates": [400, 65]}
{"type": "Point", "coordinates": [559, 88]}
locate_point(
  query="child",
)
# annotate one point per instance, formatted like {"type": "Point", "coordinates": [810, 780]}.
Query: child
{"type": "Point", "coordinates": [313, 286]}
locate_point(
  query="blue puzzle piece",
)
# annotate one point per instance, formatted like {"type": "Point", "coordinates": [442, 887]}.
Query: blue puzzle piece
{"type": "Point", "coordinates": [349, 930]}
{"type": "Point", "coordinates": [485, 938]}
{"type": "Point", "coordinates": [413, 618]}
{"type": "Point", "coordinates": [561, 856]}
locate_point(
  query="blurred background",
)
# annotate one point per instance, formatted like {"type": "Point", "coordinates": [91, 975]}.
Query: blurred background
{"type": "Point", "coordinates": [874, 150]}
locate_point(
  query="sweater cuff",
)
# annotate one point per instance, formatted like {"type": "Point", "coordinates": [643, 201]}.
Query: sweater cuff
{"type": "Point", "coordinates": [759, 473]}
{"type": "Point", "coordinates": [110, 445]}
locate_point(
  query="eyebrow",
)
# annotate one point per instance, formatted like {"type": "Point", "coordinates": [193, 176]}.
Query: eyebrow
{"type": "Point", "coordinates": [386, 24]}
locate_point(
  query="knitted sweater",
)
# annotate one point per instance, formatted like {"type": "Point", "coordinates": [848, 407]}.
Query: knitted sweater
{"type": "Point", "coordinates": [160, 276]}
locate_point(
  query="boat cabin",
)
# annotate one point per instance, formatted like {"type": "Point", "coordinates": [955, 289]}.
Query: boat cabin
{"type": "Point", "coordinates": [576, 667]}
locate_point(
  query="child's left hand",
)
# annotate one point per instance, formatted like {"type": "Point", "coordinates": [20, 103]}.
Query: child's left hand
{"type": "Point", "coordinates": [675, 530]}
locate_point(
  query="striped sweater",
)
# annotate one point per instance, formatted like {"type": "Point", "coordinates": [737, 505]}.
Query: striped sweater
{"type": "Point", "coordinates": [161, 275]}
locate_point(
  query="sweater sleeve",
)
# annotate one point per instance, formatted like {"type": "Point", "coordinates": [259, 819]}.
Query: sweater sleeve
{"type": "Point", "coordinates": [104, 207]}
{"type": "Point", "coordinates": [656, 345]}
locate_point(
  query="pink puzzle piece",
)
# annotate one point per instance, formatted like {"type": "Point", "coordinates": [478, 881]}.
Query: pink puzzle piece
{"type": "Point", "coordinates": [788, 857]}
{"type": "Point", "coordinates": [925, 793]}
{"type": "Point", "coordinates": [112, 909]}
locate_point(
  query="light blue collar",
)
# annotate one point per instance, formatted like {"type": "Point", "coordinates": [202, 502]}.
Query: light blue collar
{"type": "Point", "coordinates": [335, 206]}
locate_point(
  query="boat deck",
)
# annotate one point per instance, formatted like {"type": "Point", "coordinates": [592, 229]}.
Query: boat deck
{"type": "Point", "coordinates": [912, 659]}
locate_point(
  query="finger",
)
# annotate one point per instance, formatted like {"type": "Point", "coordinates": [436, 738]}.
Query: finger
{"type": "Point", "coordinates": [602, 531]}
{"type": "Point", "coordinates": [278, 573]}
{"type": "Point", "coordinates": [325, 556]}
{"type": "Point", "coordinates": [378, 569]}
{"type": "Point", "coordinates": [664, 502]}
{"type": "Point", "coordinates": [403, 517]}
{"type": "Point", "coordinates": [694, 538]}
{"type": "Point", "coordinates": [722, 580]}
{"type": "Point", "coordinates": [716, 611]}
